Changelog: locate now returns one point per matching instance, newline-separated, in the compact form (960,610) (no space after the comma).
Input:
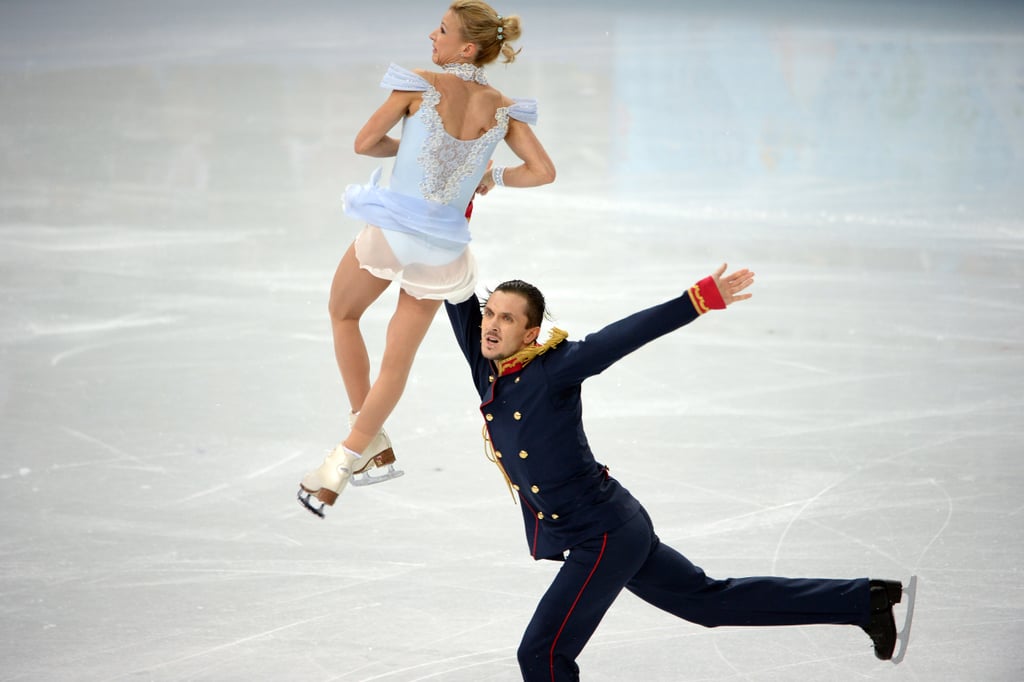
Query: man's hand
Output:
(732,284)
(486,182)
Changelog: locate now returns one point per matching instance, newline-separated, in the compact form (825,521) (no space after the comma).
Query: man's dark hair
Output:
(535,307)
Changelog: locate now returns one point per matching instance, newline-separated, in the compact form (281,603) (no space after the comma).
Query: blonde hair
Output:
(480,24)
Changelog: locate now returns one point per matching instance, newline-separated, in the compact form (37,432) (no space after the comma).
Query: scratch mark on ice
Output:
(228,645)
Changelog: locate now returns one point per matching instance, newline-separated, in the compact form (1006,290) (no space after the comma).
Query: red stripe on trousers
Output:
(551,659)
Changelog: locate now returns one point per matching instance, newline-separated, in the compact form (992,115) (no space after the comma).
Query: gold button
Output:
(489,417)
(497,453)
(491,378)
(517,380)
(554,516)
(534,489)
(515,487)
(540,515)
(517,416)
(523,454)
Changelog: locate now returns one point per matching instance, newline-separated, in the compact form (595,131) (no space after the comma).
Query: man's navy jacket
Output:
(533,413)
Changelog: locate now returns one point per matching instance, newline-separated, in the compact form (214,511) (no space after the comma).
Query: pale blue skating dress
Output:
(417,232)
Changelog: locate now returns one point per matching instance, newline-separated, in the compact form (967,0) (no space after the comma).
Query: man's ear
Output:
(531,335)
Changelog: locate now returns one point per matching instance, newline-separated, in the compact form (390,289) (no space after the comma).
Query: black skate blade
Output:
(319,511)
(910,592)
(366,478)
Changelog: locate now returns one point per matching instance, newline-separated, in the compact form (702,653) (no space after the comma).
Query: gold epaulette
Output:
(516,362)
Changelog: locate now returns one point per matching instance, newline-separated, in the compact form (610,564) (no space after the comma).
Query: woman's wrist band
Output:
(498,175)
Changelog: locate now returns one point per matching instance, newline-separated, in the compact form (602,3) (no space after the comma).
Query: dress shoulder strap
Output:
(524,110)
(400,78)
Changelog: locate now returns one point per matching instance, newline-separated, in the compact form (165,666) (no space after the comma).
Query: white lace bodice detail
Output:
(434,166)
(447,161)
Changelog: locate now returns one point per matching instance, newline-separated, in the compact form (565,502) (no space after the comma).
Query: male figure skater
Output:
(576,512)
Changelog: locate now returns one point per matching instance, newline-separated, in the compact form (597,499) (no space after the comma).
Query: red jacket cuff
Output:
(706,296)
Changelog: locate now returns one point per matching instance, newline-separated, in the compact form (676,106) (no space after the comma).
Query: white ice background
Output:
(170,175)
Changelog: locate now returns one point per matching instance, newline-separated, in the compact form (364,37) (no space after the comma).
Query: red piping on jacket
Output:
(536,526)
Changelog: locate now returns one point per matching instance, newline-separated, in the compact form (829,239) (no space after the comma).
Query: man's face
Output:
(505,330)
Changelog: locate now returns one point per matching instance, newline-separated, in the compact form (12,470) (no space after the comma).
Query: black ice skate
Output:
(882,627)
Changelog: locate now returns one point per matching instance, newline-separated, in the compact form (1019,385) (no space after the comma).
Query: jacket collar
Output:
(516,362)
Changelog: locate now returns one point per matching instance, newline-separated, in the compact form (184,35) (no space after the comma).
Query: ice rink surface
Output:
(170,175)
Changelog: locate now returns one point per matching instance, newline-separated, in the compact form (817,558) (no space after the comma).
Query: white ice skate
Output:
(383,456)
(327,481)
(342,466)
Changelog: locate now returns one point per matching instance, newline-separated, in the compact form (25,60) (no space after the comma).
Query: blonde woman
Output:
(417,229)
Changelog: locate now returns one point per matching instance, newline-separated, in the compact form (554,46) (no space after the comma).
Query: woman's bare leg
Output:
(406,331)
(352,291)
(351,294)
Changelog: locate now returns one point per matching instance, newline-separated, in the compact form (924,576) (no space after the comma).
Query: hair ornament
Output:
(501,29)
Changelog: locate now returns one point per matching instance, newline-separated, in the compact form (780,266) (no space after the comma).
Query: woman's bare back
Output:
(467,109)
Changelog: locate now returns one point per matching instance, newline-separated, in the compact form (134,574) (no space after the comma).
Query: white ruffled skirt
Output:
(399,257)
(421,244)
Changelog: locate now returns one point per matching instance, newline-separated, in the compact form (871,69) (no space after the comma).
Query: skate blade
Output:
(366,478)
(904,637)
(304,498)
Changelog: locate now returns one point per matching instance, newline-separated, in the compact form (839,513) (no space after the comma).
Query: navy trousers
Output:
(632,557)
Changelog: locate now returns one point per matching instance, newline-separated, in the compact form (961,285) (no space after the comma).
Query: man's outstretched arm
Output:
(599,350)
